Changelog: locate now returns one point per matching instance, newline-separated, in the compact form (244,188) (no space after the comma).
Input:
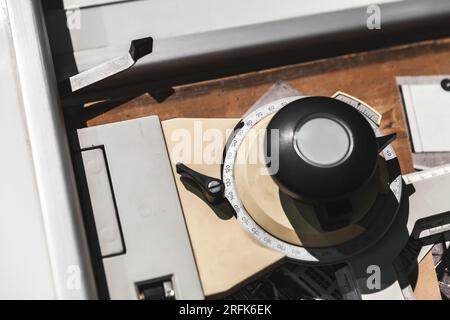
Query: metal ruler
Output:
(427,174)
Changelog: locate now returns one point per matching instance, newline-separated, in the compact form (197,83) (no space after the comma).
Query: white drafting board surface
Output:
(427,108)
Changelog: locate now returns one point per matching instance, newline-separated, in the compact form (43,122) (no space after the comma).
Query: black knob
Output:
(327,149)
(327,155)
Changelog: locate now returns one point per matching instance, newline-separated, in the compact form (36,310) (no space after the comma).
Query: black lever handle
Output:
(212,188)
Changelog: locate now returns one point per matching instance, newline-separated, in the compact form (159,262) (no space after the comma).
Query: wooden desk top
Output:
(369,76)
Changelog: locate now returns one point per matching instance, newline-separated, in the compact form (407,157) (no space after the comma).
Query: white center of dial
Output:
(323,142)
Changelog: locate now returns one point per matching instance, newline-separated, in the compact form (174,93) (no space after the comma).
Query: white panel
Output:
(154,232)
(428,111)
(43,249)
(25,270)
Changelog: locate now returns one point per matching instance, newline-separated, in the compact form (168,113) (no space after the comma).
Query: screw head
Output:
(214,186)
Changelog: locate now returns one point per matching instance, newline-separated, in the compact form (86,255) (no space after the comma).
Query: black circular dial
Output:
(326,150)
